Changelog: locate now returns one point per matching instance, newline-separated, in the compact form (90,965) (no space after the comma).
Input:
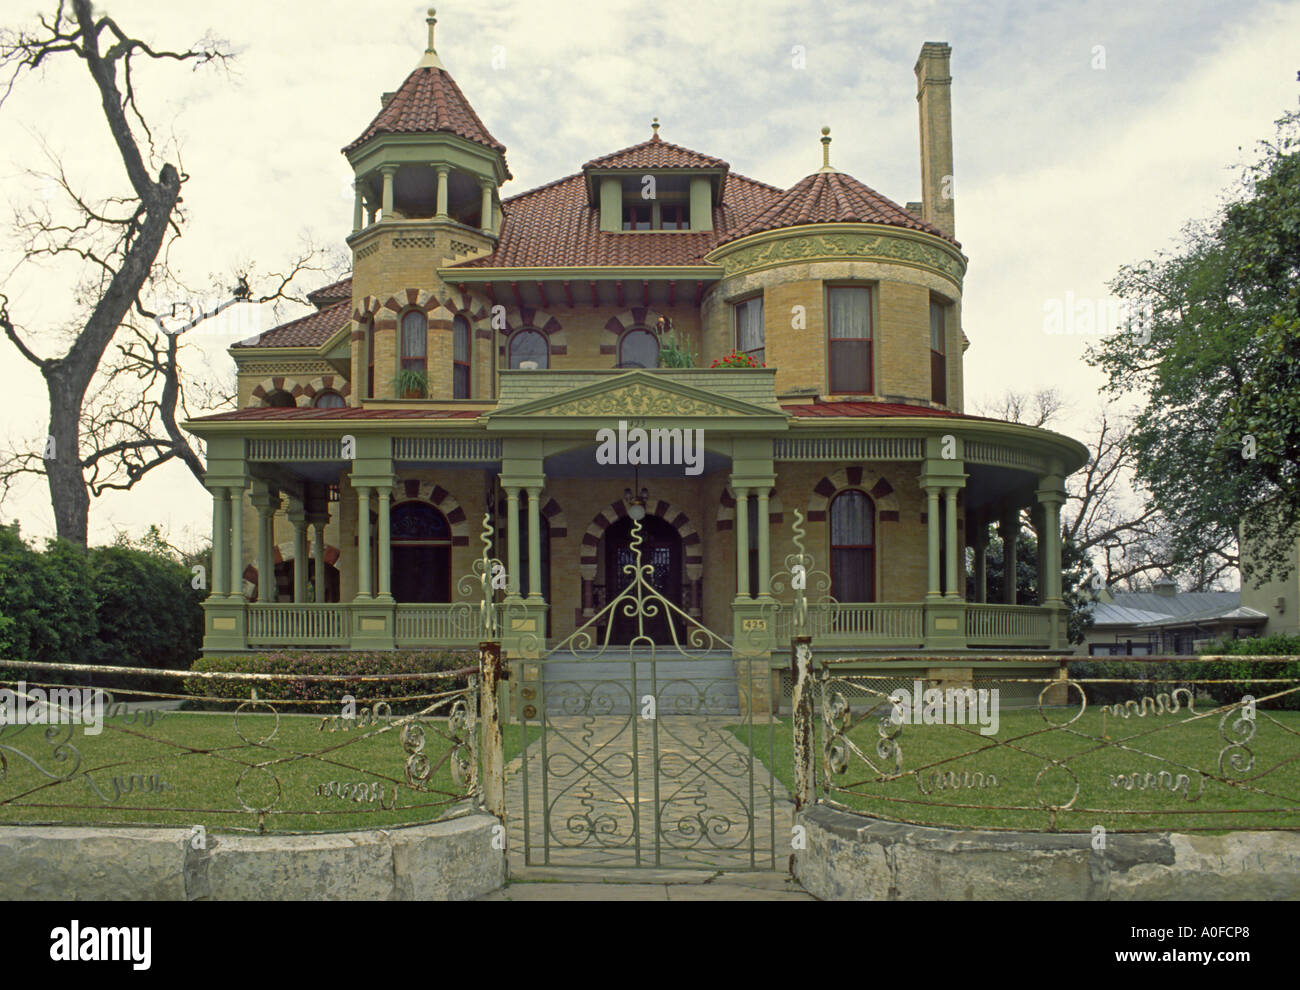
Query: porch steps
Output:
(699,685)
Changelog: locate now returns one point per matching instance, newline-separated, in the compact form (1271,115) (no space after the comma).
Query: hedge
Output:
(1142,675)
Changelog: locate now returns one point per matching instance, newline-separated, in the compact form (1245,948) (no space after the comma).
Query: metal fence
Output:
(1179,743)
(253,752)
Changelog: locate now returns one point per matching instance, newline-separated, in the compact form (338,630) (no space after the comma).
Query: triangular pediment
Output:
(638,394)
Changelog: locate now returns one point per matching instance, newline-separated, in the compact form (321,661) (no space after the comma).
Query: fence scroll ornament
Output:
(645,606)
(485,579)
(1174,759)
(812,608)
(240,764)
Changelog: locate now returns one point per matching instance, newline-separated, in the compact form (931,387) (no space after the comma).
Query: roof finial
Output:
(826,150)
(655,127)
(431,59)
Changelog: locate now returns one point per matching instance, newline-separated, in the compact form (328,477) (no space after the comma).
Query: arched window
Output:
(369,329)
(853,547)
(421,553)
(460,341)
(638,349)
(414,341)
(280,400)
(329,399)
(530,345)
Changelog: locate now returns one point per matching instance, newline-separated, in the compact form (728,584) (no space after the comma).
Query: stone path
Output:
(716,887)
(597,793)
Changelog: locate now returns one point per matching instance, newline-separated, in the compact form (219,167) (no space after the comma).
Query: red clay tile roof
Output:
(865,409)
(656,153)
(348,412)
(555,226)
(332,293)
(832,197)
(429,100)
(308,331)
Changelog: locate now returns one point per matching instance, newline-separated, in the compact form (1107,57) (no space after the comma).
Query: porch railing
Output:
(901,623)
(1007,625)
(437,624)
(274,624)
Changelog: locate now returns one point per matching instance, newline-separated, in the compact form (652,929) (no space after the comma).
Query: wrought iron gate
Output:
(649,754)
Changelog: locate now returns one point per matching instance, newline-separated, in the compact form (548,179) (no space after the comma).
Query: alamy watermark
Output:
(946,706)
(633,444)
(57,706)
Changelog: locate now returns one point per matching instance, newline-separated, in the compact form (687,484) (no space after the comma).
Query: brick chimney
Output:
(934,99)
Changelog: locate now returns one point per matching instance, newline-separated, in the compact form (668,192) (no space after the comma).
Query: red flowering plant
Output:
(737,359)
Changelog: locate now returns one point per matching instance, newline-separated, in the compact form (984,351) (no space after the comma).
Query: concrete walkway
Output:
(687,802)
(713,887)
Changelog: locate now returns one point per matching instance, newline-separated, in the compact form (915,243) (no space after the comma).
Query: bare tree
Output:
(130,425)
(1125,536)
(119,240)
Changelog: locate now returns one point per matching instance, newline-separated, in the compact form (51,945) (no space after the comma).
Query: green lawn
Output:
(185,769)
(1025,743)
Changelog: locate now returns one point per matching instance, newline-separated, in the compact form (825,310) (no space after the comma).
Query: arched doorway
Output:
(421,553)
(661,547)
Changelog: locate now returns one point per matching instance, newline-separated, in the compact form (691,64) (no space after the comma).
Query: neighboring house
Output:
(1167,621)
(469,363)
(1277,600)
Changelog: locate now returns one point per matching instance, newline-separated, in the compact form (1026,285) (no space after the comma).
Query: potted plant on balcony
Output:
(673,352)
(411,383)
(737,359)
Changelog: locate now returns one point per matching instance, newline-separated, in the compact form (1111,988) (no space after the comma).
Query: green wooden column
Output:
(358,205)
(267,502)
(237,543)
(298,519)
(512,541)
(534,542)
(950,543)
(742,542)
(364,587)
(442,191)
(383,493)
(764,589)
(220,542)
(1009,529)
(933,587)
(318,555)
(389,171)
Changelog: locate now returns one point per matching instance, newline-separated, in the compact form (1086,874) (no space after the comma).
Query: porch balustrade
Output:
(276,624)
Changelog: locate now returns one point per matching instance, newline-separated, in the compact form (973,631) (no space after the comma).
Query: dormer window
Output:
(637,216)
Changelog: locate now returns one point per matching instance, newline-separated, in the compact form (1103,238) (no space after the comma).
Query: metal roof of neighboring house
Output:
(1150,609)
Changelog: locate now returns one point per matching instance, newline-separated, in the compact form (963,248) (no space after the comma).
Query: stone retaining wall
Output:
(446,861)
(853,857)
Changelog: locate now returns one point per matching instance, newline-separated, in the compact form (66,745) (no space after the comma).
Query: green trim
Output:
(414,149)
(842,242)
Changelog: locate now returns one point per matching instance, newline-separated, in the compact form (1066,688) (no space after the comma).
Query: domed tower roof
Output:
(429,102)
(831,196)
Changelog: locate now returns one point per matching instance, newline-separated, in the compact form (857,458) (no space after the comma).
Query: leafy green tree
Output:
(1218,364)
(48,599)
(148,613)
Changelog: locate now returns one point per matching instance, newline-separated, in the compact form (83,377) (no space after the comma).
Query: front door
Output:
(661,550)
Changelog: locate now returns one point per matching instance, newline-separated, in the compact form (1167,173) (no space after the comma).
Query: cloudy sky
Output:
(1085,136)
